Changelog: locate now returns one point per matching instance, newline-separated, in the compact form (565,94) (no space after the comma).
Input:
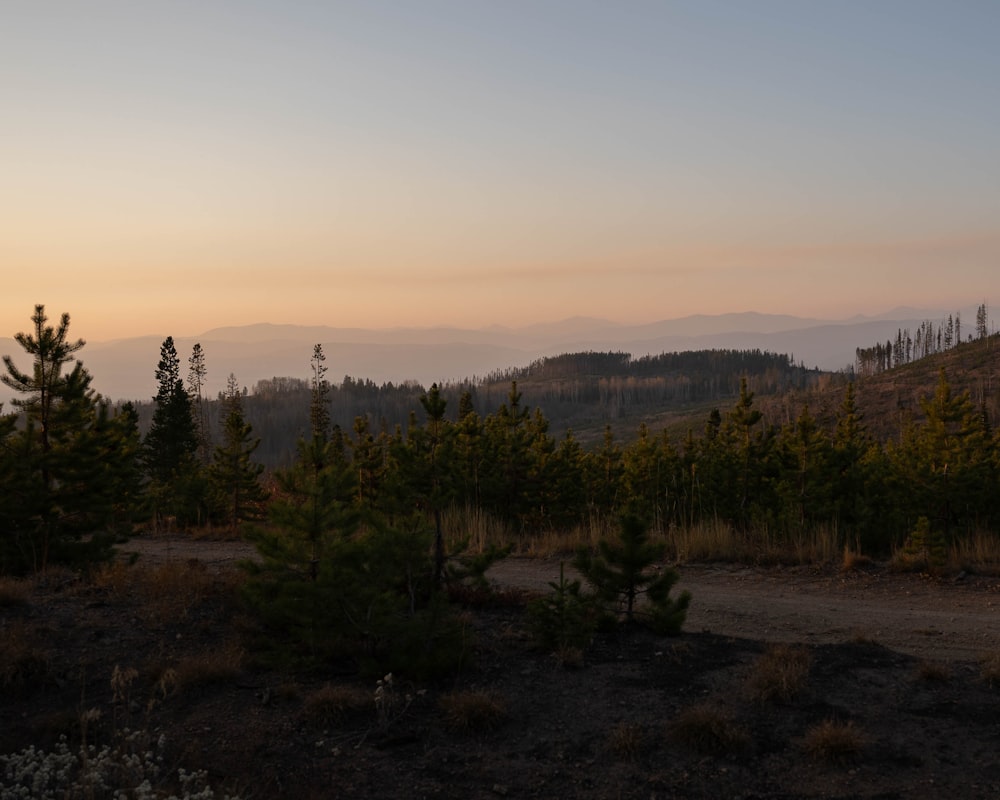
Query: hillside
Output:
(891,398)
(591,392)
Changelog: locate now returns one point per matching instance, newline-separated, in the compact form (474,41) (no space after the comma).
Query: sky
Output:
(171,167)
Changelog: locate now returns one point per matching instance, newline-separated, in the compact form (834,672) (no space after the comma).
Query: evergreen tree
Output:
(807,478)
(233,475)
(508,452)
(58,502)
(309,517)
(319,405)
(425,460)
(604,476)
(197,372)
(982,322)
(45,386)
(621,573)
(470,453)
(568,484)
(851,488)
(176,485)
(123,466)
(951,455)
(649,466)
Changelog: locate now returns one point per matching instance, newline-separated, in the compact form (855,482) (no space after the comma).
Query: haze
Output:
(173,167)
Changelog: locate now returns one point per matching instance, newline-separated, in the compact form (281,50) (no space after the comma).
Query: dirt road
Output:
(945,619)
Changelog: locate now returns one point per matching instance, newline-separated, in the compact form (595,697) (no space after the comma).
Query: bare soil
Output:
(894,658)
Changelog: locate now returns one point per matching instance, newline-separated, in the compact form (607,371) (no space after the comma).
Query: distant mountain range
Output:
(123,369)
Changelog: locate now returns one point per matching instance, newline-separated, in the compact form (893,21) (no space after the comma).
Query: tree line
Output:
(78,474)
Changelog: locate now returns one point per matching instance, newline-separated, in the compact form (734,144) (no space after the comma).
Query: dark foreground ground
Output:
(703,715)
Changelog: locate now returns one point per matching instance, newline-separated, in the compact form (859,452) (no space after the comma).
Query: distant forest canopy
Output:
(927,340)
(573,391)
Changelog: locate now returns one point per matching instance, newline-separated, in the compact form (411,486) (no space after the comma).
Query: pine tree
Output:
(319,411)
(59,499)
(197,372)
(982,322)
(45,386)
(234,477)
(806,484)
(176,485)
(431,450)
(621,573)
(752,452)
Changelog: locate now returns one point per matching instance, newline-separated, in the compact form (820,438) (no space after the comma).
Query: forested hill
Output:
(586,391)
(892,398)
(580,391)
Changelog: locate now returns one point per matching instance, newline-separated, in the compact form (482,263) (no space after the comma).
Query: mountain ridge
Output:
(123,369)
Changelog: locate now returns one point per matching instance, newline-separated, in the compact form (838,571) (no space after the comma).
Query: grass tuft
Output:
(626,740)
(331,704)
(932,672)
(707,729)
(473,710)
(24,663)
(779,674)
(212,666)
(833,741)
(13,592)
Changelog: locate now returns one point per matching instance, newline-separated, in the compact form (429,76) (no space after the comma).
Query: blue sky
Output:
(171,167)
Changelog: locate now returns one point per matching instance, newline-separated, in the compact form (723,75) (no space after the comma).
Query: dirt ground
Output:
(953,617)
(895,662)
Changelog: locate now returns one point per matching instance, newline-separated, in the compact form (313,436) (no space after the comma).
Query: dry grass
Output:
(552,543)
(708,730)
(932,672)
(989,669)
(854,560)
(978,552)
(626,740)
(832,741)
(474,527)
(115,578)
(331,704)
(779,674)
(13,592)
(473,710)
(164,593)
(717,541)
(569,657)
(709,541)
(24,663)
(217,665)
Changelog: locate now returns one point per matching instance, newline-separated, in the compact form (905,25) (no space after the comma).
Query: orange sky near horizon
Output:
(171,168)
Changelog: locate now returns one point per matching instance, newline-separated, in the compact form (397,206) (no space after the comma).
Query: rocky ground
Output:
(785,684)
